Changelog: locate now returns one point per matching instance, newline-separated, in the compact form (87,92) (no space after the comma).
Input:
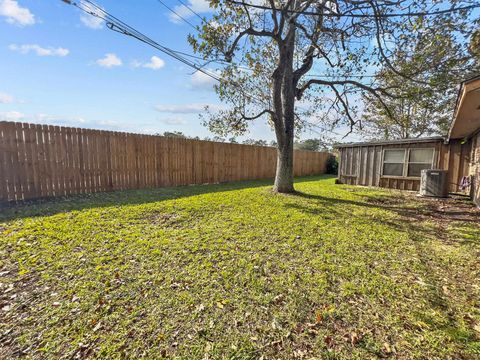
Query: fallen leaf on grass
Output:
(97,327)
(353,338)
(278,299)
(275,342)
(329,341)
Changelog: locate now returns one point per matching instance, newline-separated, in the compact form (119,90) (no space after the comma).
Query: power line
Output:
(332,14)
(203,21)
(177,14)
(191,10)
(119,26)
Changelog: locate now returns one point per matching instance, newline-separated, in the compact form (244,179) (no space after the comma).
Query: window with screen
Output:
(393,162)
(418,160)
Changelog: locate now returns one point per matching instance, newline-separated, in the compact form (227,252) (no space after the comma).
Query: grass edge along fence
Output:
(42,161)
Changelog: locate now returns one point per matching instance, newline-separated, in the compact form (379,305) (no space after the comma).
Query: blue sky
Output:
(60,67)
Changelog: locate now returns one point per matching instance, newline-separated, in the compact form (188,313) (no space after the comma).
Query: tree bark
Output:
(285,111)
(284,173)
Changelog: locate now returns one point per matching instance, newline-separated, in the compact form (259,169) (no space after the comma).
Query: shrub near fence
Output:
(39,161)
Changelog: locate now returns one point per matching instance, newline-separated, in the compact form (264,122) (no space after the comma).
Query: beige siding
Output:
(475,168)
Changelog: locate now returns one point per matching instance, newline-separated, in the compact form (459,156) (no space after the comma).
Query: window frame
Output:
(403,162)
(406,162)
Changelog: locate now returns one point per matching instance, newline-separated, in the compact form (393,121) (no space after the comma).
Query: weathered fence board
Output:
(38,161)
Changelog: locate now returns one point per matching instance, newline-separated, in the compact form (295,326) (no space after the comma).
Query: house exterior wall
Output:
(362,164)
(475,168)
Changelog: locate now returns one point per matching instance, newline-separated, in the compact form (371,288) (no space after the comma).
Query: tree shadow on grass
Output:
(411,219)
(52,206)
(422,220)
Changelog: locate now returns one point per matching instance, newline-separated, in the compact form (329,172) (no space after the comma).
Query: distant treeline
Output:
(308,144)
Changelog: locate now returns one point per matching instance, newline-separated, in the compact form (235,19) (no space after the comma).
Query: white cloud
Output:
(72,121)
(16,14)
(11,116)
(181,109)
(40,51)
(193,108)
(110,60)
(76,121)
(42,118)
(174,121)
(202,81)
(6,98)
(198,6)
(155,63)
(91,21)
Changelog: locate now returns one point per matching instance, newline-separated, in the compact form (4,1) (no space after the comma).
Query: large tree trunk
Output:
(284,174)
(285,110)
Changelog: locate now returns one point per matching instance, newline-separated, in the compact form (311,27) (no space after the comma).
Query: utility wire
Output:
(177,14)
(119,26)
(191,10)
(191,25)
(332,14)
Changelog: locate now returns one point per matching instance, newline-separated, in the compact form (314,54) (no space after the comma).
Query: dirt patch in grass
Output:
(455,208)
(161,219)
(439,212)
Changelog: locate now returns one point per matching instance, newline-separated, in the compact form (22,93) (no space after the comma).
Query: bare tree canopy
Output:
(308,63)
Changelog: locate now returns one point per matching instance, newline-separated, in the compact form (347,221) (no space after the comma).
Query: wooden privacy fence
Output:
(38,161)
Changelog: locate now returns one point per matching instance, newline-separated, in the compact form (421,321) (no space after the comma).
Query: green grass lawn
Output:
(233,271)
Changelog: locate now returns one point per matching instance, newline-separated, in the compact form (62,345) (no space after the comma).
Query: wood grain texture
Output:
(362,165)
(39,161)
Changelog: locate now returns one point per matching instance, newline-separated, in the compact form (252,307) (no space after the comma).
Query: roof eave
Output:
(391,142)
(460,97)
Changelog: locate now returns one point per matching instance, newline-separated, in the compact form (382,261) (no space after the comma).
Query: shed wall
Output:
(362,165)
(475,168)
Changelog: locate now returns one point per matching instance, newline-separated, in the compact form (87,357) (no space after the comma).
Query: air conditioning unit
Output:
(434,183)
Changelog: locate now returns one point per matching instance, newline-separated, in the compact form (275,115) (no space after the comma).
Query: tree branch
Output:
(249,31)
(382,52)
(266,111)
(374,91)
